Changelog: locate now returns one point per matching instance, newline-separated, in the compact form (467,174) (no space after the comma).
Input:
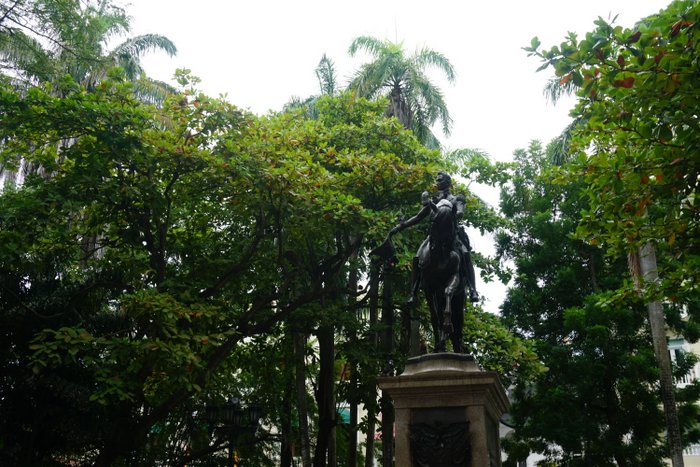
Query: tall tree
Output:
(41,40)
(211,231)
(597,403)
(635,145)
(327,84)
(413,98)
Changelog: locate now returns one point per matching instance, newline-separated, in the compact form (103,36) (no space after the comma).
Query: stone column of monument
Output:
(447,412)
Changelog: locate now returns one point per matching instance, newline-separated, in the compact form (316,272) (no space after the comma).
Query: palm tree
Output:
(413,98)
(42,40)
(327,83)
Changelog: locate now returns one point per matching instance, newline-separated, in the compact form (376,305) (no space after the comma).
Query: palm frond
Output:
(306,107)
(429,97)
(153,91)
(325,72)
(140,45)
(420,124)
(558,149)
(428,57)
(557,88)
(127,55)
(129,63)
(430,141)
(369,80)
(106,21)
(22,52)
(369,44)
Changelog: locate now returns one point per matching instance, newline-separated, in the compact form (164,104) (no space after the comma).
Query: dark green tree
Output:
(211,230)
(634,145)
(597,403)
(41,40)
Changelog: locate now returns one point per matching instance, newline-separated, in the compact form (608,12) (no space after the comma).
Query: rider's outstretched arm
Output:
(422,214)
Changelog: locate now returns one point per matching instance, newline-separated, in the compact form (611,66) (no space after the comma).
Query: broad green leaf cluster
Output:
(625,179)
(636,138)
(156,240)
(596,400)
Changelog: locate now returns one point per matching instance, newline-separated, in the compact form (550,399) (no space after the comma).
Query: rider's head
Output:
(443,181)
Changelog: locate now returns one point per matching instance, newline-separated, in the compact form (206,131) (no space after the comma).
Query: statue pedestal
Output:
(447,412)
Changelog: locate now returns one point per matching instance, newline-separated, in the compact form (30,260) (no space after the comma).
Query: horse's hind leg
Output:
(458,323)
(447,315)
(450,290)
(439,337)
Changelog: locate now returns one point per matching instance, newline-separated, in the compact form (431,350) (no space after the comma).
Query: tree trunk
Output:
(286,448)
(649,274)
(373,315)
(302,406)
(325,399)
(387,350)
(352,425)
(352,428)
(399,108)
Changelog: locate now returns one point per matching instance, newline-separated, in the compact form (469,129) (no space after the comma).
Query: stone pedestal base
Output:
(447,412)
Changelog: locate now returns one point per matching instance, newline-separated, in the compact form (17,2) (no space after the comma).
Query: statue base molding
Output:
(447,412)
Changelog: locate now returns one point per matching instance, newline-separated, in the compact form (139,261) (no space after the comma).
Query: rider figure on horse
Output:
(462,246)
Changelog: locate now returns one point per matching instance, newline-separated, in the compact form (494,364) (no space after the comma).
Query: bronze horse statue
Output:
(443,280)
(442,267)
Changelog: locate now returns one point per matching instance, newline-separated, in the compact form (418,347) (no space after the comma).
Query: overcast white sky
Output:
(262,52)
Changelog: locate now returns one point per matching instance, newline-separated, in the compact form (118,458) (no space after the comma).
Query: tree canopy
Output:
(632,144)
(637,135)
(41,40)
(166,237)
(597,402)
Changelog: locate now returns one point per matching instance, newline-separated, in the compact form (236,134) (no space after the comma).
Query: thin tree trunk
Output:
(371,429)
(286,453)
(302,406)
(387,350)
(373,315)
(649,274)
(325,399)
(352,425)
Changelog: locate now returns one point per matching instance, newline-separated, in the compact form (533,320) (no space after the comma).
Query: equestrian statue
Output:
(442,267)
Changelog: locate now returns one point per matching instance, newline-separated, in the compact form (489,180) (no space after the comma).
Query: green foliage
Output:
(498,349)
(633,144)
(413,99)
(43,40)
(157,240)
(597,401)
(636,140)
